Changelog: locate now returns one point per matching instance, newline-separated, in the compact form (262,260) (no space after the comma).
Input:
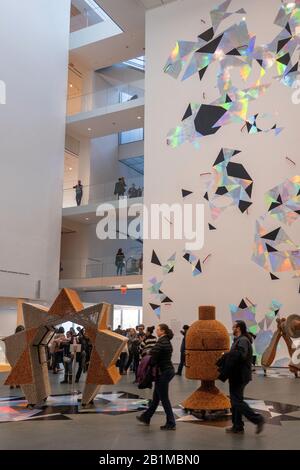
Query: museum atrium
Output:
(150,226)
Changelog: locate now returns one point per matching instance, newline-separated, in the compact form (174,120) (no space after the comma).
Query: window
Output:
(137,63)
(127,317)
(68,324)
(134,135)
(117,318)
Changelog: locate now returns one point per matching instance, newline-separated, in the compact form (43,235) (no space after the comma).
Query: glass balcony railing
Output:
(83,20)
(98,193)
(85,13)
(103,267)
(103,98)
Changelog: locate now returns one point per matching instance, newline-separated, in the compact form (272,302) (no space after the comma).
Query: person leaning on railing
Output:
(78,192)
(120,261)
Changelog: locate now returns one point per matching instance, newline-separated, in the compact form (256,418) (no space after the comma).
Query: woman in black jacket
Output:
(161,355)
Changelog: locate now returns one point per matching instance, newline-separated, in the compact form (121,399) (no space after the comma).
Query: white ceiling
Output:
(86,214)
(121,118)
(154,3)
(129,15)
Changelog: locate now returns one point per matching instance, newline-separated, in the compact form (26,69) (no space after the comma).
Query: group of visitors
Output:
(234,366)
(120,262)
(120,189)
(67,348)
(140,342)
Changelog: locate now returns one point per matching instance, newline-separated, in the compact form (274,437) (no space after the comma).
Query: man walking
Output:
(239,363)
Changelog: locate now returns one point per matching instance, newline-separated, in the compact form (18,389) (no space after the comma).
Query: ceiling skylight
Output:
(137,63)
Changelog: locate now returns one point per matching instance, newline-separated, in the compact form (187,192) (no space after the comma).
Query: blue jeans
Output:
(161,393)
(120,269)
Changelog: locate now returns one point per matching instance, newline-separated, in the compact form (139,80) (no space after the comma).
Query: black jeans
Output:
(181,364)
(78,198)
(123,359)
(239,407)
(135,358)
(57,359)
(161,393)
(81,359)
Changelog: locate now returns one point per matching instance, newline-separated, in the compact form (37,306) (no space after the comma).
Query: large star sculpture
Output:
(26,350)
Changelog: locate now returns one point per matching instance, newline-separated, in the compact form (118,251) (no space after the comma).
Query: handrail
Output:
(83,268)
(121,86)
(97,193)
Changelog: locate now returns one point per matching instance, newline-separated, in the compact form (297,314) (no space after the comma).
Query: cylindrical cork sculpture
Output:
(206,340)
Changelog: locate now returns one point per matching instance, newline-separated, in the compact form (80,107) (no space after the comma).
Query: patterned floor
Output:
(278,373)
(60,407)
(274,413)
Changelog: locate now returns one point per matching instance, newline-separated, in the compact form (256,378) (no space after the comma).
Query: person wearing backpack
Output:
(161,355)
(238,369)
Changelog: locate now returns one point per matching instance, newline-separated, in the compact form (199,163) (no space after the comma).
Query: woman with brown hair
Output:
(161,355)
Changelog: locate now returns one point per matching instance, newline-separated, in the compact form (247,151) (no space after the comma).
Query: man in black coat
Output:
(182,350)
(239,371)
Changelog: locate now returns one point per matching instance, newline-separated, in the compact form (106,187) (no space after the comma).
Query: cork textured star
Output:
(26,350)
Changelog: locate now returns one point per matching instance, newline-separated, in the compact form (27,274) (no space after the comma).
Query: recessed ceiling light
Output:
(86,218)
(70,168)
(89,129)
(139,117)
(71,86)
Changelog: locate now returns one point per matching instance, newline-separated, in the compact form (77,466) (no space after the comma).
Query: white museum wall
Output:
(133,149)
(229,274)
(121,74)
(84,248)
(105,166)
(34,61)
(110,81)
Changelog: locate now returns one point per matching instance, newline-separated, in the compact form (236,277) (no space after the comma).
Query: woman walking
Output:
(161,355)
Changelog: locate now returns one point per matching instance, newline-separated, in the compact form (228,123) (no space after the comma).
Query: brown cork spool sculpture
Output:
(206,340)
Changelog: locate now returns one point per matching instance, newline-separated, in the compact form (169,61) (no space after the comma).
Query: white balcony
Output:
(106,111)
(97,274)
